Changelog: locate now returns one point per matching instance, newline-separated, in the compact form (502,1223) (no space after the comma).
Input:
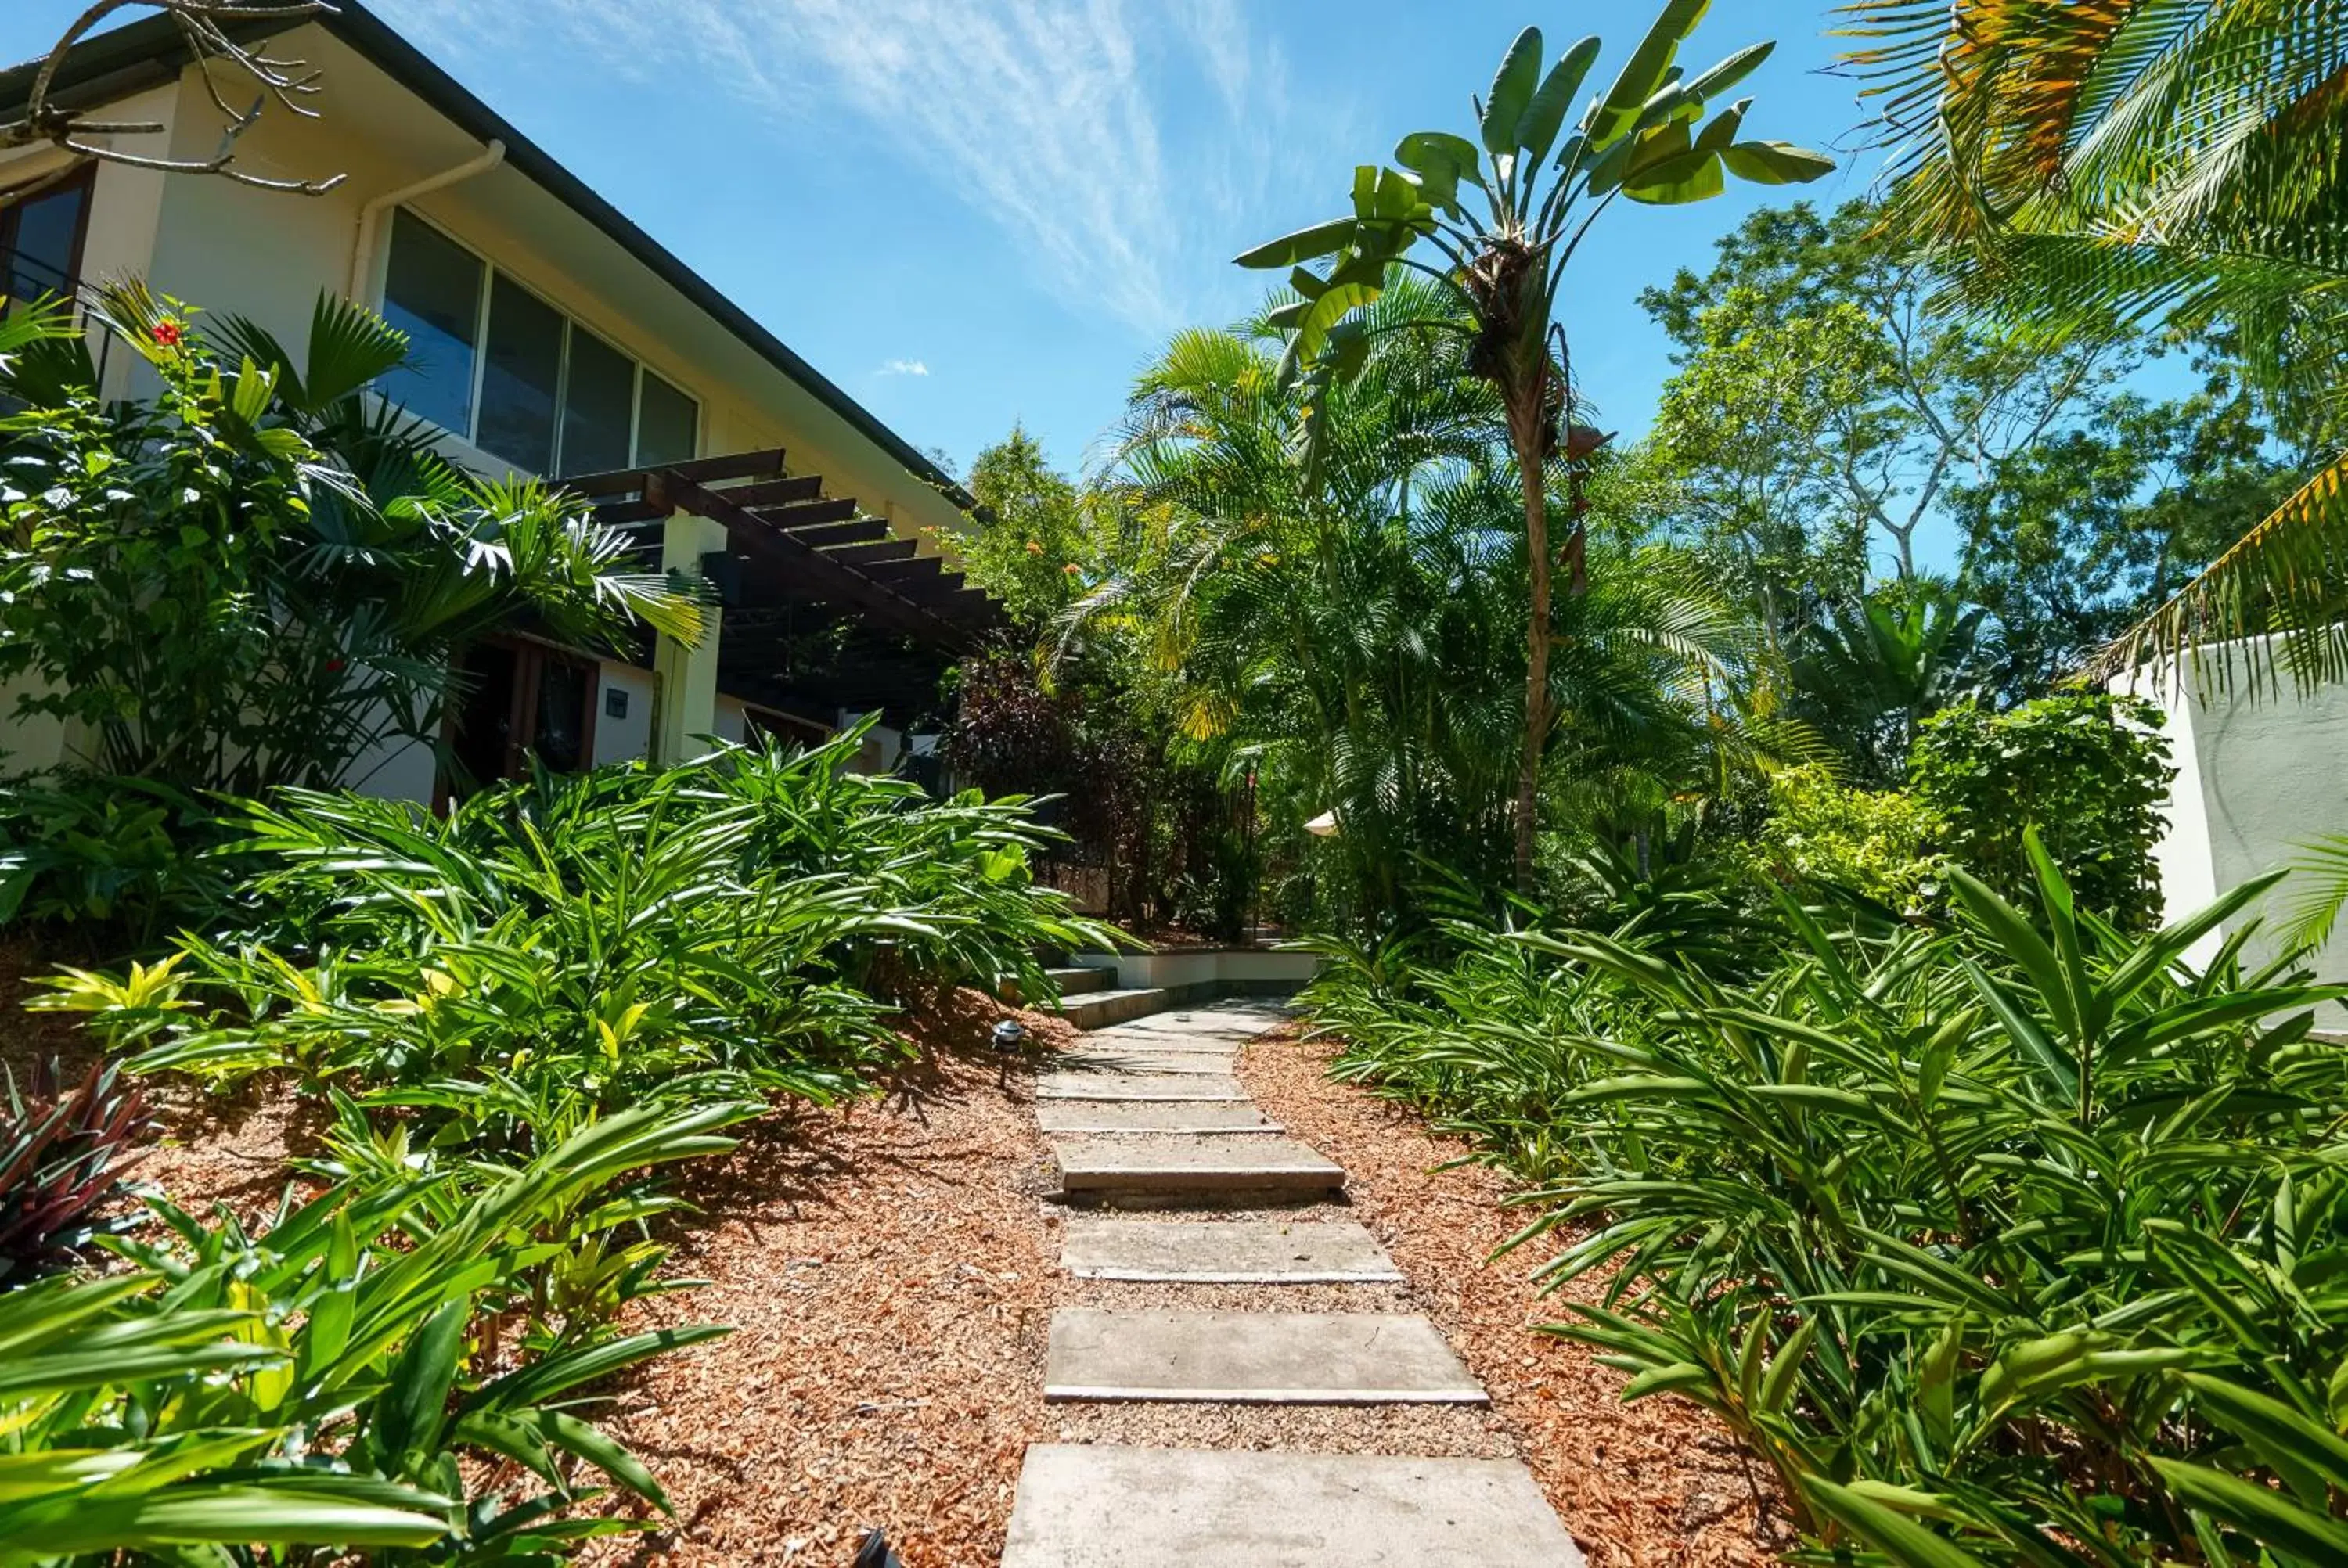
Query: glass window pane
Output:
(598,397)
(432,292)
(559,736)
(522,365)
(49,226)
(669,428)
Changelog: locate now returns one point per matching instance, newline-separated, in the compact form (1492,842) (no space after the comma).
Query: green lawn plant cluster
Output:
(2015,1241)
(564,948)
(515,1012)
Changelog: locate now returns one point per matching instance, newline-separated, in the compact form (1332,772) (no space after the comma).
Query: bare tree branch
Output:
(205,24)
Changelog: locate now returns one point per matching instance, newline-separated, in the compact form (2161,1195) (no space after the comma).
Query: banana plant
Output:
(1504,213)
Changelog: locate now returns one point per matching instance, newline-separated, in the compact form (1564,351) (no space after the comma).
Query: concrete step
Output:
(1255,1359)
(1221,1021)
(1224,1252)
(1175,1165)
(1100,1507)
(1112,1086)
(1118,1058)
(1081,980)
(1101,1009)
(1206,1116)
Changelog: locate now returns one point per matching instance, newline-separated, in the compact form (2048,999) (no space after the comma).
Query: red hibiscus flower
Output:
(167,334)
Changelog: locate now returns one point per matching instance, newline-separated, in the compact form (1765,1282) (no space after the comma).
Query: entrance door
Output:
(520,700)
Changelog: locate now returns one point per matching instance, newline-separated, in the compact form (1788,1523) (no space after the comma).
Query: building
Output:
(552,337)
(2258,778)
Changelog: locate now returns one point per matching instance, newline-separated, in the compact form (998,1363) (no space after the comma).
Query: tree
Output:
(1505,258)
(1874,667)
(1353,635)
(1749,459)
(2071,541)
(2170,161)
(213,30)
(1823,388)
(1036,544)
(252,578)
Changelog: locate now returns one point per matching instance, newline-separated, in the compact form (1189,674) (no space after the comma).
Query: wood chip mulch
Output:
(890,1270)
(1640,1486)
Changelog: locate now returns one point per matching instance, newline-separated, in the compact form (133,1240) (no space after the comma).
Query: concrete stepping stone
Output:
(1255,1359)
(1210,1116)
(1105,1507)
(1137,1086)
(1119,1058)
(1225,1252)
(1168,1165)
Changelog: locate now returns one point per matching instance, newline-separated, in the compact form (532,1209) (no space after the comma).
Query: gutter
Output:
(362,248)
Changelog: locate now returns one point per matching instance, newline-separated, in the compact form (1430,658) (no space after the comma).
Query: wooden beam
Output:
(627,513)
(903,574)
(868,555)
(823,576)
(764,464)
(806,515)
(863,530)
(777,492)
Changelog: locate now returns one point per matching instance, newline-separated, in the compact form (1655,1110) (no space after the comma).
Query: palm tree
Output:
(1355,632)
(1505,257)
(1870,672)
(2140,162)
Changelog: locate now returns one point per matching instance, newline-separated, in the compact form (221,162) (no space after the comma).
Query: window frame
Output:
(85,179)
(492,271)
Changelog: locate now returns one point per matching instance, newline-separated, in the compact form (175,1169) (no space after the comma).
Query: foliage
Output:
(251,578)
(1822,394)
(62,1154)
(2018,1243)
(1037,544)
(2088,770)
(1871,670)
(1504,233)
(345,1378)
(565,948)
(2071,540)
(118,862)
(1351,639)
(2155,161)
(1881,844)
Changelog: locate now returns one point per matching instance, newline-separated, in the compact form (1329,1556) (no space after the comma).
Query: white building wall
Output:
(2261,772)
(626,736)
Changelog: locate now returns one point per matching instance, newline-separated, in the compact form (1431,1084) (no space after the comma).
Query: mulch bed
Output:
(1651,1483)
(890,1270)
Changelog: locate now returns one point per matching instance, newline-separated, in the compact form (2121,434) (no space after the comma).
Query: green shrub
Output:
(560,949)
(348,1379)
(114,865)
(2088,770)
(1878,843)
(2015,1244)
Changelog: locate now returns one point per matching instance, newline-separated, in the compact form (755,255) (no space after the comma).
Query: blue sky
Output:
(969,212)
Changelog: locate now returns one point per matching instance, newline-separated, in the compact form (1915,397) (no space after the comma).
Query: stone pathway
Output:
(1150,1115)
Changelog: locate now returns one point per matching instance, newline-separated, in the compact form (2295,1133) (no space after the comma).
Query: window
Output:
(41,238)
(520,700)
(498,366)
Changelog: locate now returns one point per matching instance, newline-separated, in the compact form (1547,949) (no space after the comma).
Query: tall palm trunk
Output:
(1525,432)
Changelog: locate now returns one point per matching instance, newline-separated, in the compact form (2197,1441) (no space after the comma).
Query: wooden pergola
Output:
(820,607)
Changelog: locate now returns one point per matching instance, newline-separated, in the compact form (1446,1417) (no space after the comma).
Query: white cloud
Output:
(904,367)
(1057,119)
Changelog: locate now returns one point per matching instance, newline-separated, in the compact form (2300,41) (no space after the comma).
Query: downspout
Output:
(363,249)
